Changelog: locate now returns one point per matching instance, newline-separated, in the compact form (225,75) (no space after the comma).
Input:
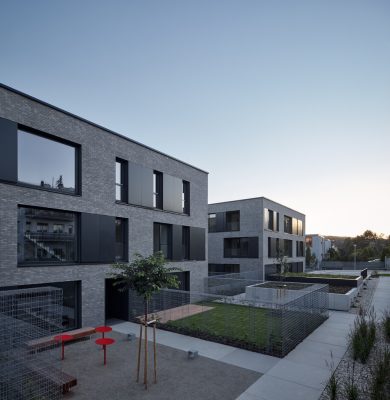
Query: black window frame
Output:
(186,197)
(51,263)
(77,162)
(158,188)
(246,247)
(123,184)
(185,241)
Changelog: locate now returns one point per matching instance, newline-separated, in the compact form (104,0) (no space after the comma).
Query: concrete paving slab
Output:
(302,374)
(272,388)
(254,361)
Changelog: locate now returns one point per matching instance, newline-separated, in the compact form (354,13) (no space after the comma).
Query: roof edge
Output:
(11,89)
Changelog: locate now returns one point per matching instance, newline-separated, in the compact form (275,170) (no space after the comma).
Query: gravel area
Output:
(178,377)
(348,369)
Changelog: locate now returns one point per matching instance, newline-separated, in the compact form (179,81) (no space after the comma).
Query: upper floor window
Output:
(46,236)
(244,247)
(271,220)
(185,242)
(288,224)
(288,246)
(232,220)
(157,190)
(185,197)
(212,222)
(47,163)
(121,180)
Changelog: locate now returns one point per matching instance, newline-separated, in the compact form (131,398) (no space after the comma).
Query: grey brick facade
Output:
(99,149)
(252,225)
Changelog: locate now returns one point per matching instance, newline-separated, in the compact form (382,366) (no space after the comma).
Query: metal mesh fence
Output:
(27,315)
(268,327)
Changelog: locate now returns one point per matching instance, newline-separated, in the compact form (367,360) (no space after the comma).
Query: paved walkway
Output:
(302,374)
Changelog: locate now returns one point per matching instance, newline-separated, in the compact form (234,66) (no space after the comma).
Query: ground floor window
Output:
(220,269)
(71,310)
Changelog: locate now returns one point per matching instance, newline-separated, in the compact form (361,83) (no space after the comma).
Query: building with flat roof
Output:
(250,235)
(76,197)
(319,247)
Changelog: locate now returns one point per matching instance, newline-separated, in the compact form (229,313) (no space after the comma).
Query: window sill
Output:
(150,208)
(26,185)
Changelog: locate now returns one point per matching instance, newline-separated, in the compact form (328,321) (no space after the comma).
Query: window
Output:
(232,221)
(212,222)
(163,239)
(185,242)
(221,269)
(295,226)
(157,190)
(71,301)
(300,227)
(288,224)
(288,247)
(120,239)
(185,197)
(241,247)
(299,249)
(271,220)
(121,180)
(273,247)
(46,163)
(42,241)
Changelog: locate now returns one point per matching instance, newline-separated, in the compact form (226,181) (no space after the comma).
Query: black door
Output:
(117,303)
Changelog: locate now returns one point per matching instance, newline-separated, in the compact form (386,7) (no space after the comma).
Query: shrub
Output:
(333,386)
(351,391)
(380,375)
(362,337)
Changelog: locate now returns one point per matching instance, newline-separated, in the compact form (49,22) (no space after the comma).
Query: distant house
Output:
(319,246)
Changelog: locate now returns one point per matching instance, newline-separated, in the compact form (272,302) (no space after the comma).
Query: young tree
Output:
(145,275)
(282,266)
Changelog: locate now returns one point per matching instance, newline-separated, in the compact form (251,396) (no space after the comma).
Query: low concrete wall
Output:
(353,282)
(342,302)
(350,265)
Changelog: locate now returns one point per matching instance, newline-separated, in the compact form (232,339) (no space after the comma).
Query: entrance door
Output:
(117,303)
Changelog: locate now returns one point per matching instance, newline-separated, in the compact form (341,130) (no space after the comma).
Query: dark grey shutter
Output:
(140,185)
(177,231)
(172,193)
(8,150)
(197,244)
(221,222)
(253,245)
(97,238)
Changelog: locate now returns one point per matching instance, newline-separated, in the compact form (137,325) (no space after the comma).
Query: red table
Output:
(103,329)
(62,339)
(104,342)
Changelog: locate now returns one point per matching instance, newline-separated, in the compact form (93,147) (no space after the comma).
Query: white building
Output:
(319,246)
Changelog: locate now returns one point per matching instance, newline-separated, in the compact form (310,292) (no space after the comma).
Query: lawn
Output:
(248,327)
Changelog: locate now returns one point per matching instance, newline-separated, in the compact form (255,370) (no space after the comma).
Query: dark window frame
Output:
(77,161)
(125,251)
(157,240)
(123,184)
(229,224)
(186,197)
(158,189)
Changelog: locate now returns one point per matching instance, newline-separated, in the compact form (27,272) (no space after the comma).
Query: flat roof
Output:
(256,198)
(11,89)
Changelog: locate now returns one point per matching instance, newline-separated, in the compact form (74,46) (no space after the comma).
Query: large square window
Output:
(46,163)
(46,236)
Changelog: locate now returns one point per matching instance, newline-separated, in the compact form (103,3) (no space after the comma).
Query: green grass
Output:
(232,322)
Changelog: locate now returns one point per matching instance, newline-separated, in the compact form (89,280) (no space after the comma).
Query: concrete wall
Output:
(99,149)
(350,265)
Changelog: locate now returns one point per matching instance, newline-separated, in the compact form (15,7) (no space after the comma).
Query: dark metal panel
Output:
(177,231)
(253,245)
(221,222)
(106,244)
(140,185)
(8,150)
(172,192)
(89,237)
(197,244)
(156,237)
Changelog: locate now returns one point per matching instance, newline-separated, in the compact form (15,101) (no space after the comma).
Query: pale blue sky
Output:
(284,99)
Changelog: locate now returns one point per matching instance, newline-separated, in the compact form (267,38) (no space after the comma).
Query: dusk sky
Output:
(284,99)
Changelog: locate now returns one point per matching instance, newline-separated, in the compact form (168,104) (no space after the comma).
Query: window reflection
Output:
(46,163)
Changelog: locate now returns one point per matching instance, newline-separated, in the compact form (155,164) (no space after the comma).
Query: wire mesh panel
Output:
(267,326)
(25,316)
